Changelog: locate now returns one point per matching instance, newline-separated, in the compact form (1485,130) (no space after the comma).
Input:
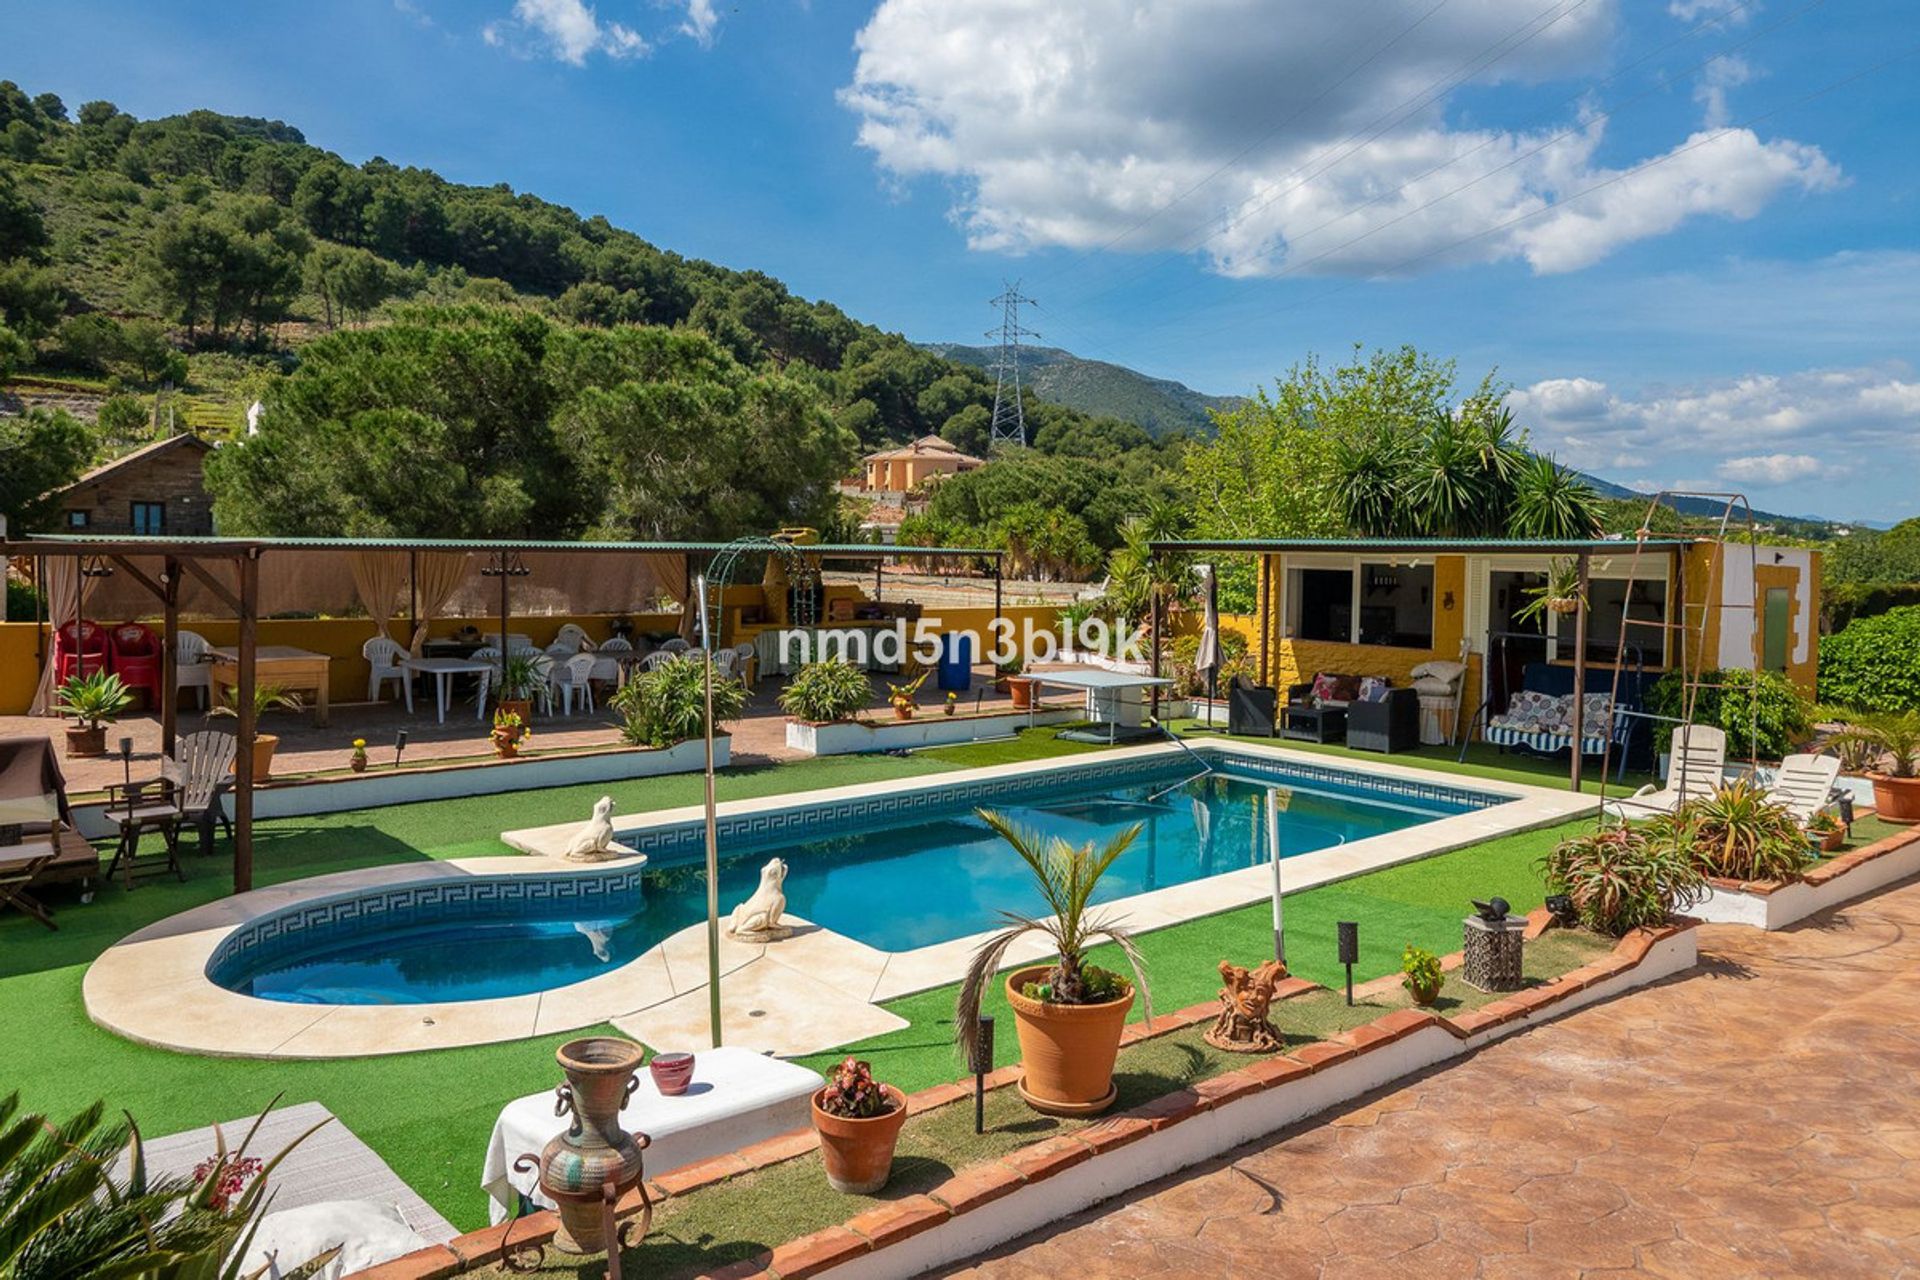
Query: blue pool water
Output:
(929,877)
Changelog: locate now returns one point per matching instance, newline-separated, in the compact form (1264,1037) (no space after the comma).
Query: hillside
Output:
(1161,405)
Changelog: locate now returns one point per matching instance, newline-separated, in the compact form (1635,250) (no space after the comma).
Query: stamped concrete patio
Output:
(1757,1118)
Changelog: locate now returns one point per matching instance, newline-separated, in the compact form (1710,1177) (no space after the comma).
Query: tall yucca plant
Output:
(1551,502)
(1372,477)
(1066,876)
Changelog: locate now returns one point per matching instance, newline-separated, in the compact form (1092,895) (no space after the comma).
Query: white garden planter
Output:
(852,737)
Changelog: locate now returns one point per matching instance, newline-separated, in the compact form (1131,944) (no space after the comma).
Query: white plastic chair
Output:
(384,656)
(723,662)
(192,670)
(607,658)
(657,659)
(675,645)
(746,661)
(573,675)
(574,637)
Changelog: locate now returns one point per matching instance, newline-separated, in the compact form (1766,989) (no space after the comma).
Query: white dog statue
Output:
(590,843)
(758,918)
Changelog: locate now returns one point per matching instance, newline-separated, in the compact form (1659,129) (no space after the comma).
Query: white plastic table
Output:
(443,670)
(737,1098)
(1117,699)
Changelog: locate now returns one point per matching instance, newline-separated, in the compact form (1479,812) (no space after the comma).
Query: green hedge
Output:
(1874,665)
(1738,701)
(1848,602)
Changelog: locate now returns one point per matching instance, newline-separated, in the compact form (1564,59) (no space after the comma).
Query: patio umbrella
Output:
(1207,657)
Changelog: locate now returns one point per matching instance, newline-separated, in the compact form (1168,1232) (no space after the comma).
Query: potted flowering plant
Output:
(1827,831)
(953,702)
(509,732)
(1420,974)
(358,760)
(859,1121)
(901,696)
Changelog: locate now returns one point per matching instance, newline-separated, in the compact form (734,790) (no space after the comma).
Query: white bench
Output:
(736,1098)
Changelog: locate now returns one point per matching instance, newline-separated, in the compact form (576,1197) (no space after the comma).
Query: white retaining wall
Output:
(851,737)
(1794,902)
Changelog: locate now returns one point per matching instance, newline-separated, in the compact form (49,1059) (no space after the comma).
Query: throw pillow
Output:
(1374,688)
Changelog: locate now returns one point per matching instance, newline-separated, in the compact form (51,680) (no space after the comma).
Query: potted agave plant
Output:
(858,1120)
(1420,974)
(1068,1013)
(95,700)
(519,677)
(1895,742)
(266,697)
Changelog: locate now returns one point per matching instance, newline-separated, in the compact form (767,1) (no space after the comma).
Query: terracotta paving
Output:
(1757,1118)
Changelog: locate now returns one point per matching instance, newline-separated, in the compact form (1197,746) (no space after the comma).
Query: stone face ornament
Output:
(1243,1025)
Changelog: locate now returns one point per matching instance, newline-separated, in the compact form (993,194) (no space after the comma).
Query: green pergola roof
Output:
(1411,546)
(125,544)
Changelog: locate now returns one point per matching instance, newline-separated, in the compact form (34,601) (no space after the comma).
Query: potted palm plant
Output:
(519,677)
(95,700)
(1894,740)
(858,1120)
(1068,1013)
(266,697)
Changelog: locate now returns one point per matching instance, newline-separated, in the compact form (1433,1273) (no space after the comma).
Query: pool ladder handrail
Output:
(1205,767)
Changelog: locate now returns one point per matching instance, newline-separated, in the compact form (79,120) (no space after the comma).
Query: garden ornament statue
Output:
(758,918)
(1493,910)
(1242,1025)
(593,841)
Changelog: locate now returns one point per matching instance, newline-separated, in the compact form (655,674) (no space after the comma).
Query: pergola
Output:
(195,559)
(1580,550)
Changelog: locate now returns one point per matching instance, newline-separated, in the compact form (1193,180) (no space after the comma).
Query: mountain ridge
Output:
(1160,406)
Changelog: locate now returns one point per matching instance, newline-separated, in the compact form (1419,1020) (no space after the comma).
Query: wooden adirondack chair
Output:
(16,879)
(187,790)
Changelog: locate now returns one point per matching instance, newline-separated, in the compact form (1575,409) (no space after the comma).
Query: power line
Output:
(1009,411)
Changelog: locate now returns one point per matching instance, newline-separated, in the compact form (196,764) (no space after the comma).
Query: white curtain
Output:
(377,576)
(438,574)
(62,587)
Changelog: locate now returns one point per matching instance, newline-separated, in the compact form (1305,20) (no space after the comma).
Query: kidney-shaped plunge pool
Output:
(893,874)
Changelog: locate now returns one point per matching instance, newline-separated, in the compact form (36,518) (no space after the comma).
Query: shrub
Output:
(1846,603)
(1420,970)
(24,602)
(1739,833)
(1874,665)
(668,704)
(124,419)
(1764,714)
(1189,682)
(1619,879)
(824,691)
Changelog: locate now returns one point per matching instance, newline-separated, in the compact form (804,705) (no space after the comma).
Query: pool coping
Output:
(152,986)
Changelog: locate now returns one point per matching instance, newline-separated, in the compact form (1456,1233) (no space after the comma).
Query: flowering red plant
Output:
(853,1092)
(234,1174)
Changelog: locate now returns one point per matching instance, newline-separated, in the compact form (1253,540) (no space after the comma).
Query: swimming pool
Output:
(897,872)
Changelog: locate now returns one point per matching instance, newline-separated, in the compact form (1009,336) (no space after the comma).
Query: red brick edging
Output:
(982,1183)
(1826,871)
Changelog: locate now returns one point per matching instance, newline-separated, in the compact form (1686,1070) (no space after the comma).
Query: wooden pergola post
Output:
(1585,563)
(1153,642)
(170,657)
(248,566)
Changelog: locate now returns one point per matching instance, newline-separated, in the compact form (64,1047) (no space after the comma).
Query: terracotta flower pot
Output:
(903,710)
(83,741)
(1423,995)
(672,1073)
(1066,1050)
(1022,691)
(263,745)
(1830,841)
(522,707)
(506,748)
(1896,799)
(858,1154)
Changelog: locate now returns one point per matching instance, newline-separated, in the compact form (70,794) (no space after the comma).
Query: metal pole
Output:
(713,838)
(1153,643)
(1265,608)
(999,573)
(879,563)
(504,564)
(170,657)
(1273,846)
(1580,667)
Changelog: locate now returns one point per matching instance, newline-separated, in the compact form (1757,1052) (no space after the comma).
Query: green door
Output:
(1776,621)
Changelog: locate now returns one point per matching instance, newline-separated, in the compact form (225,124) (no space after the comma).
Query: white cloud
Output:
(1693,10)
(1284,135)
(702,18)
(1772,468)
(569,30)
(1728,71)
(1796,431)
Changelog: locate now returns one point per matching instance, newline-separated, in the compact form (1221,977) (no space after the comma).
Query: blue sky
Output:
(1684,230)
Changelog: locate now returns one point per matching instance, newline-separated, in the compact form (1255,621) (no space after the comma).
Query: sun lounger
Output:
(1695,768)
(1804,784)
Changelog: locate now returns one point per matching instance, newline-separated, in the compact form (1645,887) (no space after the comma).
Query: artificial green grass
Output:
(1420,902)
(428,1114)
(745,1216)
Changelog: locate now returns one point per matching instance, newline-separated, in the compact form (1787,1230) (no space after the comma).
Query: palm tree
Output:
(1066,876)
(1549,501)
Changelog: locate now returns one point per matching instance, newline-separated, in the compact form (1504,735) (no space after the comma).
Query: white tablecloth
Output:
(737,1098)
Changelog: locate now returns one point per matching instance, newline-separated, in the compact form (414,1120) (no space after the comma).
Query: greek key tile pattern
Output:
(800,823)
(612,893)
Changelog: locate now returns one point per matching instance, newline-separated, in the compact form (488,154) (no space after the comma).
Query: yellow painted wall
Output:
(19,665)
